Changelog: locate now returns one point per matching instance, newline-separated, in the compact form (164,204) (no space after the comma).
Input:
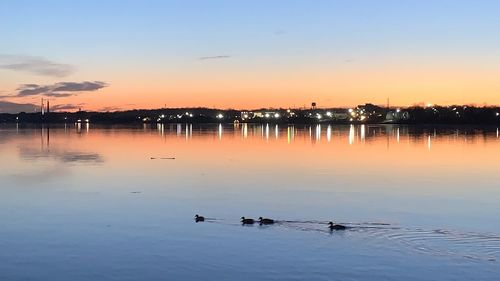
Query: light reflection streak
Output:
(219,131)
(351,134)
(318,132)
(179,130)
(245,130)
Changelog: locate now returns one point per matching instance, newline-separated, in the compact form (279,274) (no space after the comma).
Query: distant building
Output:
(267,114)
(245,115)
(396,116)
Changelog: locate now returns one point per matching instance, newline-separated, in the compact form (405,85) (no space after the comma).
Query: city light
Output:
(220,116)
(329,114)
(267,115)
(276,115)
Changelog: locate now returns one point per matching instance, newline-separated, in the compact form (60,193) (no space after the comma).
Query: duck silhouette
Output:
(199,218)
(333,226)
(247,221)
(265,220)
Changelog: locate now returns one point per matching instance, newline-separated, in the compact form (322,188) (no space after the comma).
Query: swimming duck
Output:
(247,221)
(199,218)
(332,226)
(265,221)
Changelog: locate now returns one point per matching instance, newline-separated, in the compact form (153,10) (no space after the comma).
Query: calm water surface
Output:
(89,203)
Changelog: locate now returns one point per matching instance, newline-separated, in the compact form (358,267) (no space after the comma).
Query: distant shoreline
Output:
(362,114)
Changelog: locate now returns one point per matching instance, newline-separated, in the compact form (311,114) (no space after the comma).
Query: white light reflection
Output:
(219,131)
(245,130)
(351,134)
(363,132)
(276,131)
(290,132)
(329,133)
(179,130)
(267,131)
(397,135)
(318,132)
(429,144)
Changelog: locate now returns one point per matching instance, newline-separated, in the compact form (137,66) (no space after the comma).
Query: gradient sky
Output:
(248,54)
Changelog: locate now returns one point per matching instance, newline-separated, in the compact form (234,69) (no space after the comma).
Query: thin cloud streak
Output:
(65,107)
(215,57)
(35,65)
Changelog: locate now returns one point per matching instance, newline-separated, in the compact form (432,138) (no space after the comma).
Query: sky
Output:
(112,55)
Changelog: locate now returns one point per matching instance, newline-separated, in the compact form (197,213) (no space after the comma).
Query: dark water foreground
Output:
(89,203)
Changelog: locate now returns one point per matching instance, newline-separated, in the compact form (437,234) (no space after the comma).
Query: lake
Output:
(94,202)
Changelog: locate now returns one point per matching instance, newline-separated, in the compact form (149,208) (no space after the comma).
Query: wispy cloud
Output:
(68,106)
(215,57)
(61,89)
(110,108)
(12,107)
(279,32)
(35,65)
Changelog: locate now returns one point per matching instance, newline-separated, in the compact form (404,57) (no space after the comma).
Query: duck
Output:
(199,218)
(265,221)
(247,221)
(332,226)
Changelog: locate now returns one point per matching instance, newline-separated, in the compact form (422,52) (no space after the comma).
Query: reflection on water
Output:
(351,133)
(85,201)
(30,153)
